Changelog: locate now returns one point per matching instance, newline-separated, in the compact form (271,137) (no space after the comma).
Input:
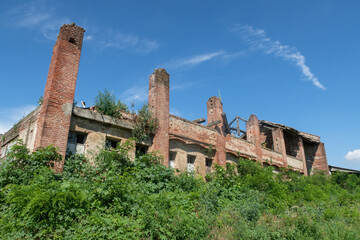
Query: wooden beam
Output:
(237,126)
(213,123)
(233,121)
(225,123)
(199,120)
(235,129)
(242,119)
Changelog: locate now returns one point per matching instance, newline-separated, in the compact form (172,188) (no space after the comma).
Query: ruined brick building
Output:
(185,145)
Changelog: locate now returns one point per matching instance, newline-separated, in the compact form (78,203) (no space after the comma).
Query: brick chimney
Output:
(214,111)
(55,115)
(253,135)
(159,106)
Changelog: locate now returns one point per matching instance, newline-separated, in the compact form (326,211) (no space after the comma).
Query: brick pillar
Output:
(159,106)
(253,135)
(302,155)
(55,114)
(320,160)
(214,111)
(279,144)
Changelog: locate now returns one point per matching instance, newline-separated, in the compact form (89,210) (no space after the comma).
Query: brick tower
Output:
(159,105)
(214,111)
(55,114)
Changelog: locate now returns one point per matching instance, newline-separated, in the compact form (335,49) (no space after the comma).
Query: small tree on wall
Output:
(106,104)
(145,124)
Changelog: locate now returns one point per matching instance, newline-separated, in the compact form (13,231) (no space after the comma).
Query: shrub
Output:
(145,124)
(123,199)
(106,104)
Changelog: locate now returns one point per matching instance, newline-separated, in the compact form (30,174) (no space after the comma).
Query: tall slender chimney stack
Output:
(55,115)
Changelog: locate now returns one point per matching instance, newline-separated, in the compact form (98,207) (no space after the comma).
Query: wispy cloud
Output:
(10,116)
(194,60)
(257,39)
(115,39)
(175,112)
(38,16)
(353,155)
(136,94)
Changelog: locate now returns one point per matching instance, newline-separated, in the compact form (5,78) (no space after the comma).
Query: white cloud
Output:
(88,38)
(353,155)
(135,95)
(10,116)
(175,112)
(205,57)
(146,46)
(257,39)
(38,16)
(111,38)
(194,60)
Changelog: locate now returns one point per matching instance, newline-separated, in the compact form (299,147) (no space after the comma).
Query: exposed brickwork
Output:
(159,105)
(320,160)
(302,155)
(279,144)
(266,138)
(253,135)
(292,145)
(214,111)
(55,115)
(268,142)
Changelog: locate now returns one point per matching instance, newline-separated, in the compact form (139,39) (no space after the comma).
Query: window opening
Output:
(172,156)
(208,165)
(191,163)
(109,144)
(141,150)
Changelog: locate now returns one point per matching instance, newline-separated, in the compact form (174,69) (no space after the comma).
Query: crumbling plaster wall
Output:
(98,128)
(295,163)
(183,150)
(183,128)
(272,157)
(25,129)
(240,147)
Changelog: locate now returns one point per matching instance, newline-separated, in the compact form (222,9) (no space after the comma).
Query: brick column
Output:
(279,143)
(214,111)
(253,135)
(55,115)
(159,106)
(302,155)
(320,160)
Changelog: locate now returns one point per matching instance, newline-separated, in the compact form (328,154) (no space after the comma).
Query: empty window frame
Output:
(172,156)
(76,143)
(76,138)
(111,143)
(208,165)
(191,163)
(141,150)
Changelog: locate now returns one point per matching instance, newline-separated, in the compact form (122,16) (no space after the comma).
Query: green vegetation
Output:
(142,199)
(145,124)
(40,100)
(106,104)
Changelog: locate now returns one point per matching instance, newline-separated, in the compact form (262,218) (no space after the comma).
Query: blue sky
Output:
(290,62)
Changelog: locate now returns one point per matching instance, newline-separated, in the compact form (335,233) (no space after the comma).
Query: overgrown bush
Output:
(146,124)
(106,104)
(141,199)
